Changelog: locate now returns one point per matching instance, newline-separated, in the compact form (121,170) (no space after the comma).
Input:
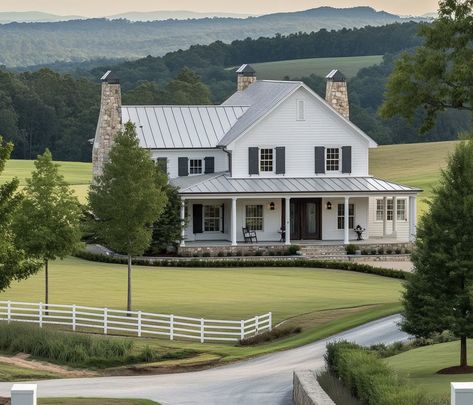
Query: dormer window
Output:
(332,160)
(266,160)
(195,166)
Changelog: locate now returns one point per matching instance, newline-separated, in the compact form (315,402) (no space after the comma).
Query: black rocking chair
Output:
(249,235)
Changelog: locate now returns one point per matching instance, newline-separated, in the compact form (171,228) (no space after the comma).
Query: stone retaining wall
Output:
(307,391)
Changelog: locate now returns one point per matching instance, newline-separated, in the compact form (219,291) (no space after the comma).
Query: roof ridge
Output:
(184,105)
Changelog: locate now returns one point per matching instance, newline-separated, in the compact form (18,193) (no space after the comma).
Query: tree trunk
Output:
(129,285)
(46,285)
(463,352)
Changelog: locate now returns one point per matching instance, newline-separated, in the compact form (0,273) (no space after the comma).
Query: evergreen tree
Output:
(47,222)
(127,199)
(13,263)
(438,296)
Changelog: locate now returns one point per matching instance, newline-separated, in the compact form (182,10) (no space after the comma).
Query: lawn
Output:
(297,68)
(420,366)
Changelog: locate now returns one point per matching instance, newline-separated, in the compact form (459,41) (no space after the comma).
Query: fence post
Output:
(9,311)
(270,321)
(257,324)
(105,326)
(74,317)
(202,332)
(171,327)
(139,323)
(40,309)
(242,331)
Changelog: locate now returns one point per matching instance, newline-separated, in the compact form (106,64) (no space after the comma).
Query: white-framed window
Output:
(195,166)
(332,160)
(400,209)
(254,217)
(341,216)
(212,218)
(300,110)
(266,160)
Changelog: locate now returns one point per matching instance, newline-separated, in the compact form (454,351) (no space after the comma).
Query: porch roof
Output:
(222,183)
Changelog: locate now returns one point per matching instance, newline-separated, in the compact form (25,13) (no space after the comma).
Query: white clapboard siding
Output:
(105,320)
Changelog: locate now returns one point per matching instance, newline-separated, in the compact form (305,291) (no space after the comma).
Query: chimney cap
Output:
(336,76)
(110,78)
(246,70)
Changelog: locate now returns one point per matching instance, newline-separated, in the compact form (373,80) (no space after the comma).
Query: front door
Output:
(306,218)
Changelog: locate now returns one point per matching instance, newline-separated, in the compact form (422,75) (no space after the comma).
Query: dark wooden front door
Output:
(306,218)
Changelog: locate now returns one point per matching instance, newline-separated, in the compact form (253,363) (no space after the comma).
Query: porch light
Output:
(329,205)
(271,206)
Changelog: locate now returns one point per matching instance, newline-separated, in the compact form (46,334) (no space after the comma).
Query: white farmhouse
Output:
(275,158)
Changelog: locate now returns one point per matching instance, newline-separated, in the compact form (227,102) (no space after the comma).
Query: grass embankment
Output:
(420,366)
(297,68)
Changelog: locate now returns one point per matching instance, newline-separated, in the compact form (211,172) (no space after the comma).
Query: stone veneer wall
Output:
(337,96)
(244,81)
(109,124)
(307,391)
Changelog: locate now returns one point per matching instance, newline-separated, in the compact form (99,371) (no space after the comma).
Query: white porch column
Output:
(385,216)
(412,218)
(183,222)
(287,227)
(394,233)
(346,222)
(234,221)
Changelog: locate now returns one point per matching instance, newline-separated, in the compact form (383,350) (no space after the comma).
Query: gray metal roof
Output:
(169,127)
(262,96)
(336,76)
(246,69)
(222,183)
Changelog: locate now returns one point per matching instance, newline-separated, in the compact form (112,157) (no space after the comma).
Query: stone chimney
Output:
(336,93)
(246,76)
(110,121)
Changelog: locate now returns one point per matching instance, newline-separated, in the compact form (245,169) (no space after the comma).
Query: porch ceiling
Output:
(222,183)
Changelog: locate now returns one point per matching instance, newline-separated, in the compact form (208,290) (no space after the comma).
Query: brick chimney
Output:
(336,93)
(110,121)
(246,76)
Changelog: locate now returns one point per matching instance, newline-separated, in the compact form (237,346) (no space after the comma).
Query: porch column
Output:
(346,214)
(234,221)
(287,227)
(412,218)
(183,222)
(394,233)
(385,216)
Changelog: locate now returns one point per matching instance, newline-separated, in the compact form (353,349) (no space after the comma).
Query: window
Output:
(266,160)
(333,160)
(254,217)
(195,166)
(400,210)
(300,110)
(341,216)
(212,218)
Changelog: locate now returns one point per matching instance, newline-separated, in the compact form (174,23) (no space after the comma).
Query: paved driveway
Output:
(263,380)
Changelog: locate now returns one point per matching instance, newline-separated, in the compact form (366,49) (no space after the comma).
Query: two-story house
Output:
(274,158)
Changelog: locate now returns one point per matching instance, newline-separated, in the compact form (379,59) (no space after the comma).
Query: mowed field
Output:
(297,68)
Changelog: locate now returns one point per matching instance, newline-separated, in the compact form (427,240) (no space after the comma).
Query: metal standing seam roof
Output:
(222,183)
(171,127)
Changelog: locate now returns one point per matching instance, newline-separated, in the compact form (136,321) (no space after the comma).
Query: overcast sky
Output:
(109,7)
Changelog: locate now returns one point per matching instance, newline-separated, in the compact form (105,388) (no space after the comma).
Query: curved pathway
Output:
(263,380)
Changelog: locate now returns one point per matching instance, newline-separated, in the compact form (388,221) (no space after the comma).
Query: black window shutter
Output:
(223,218)
(280,160)
(197,218)
(319,159)
(346,159)
(162,163)
(209,165)
(253,161)
(183,166)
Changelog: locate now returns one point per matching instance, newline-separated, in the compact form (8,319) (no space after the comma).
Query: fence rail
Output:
(137,323)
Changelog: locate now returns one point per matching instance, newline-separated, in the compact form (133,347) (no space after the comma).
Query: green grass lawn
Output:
(420,366)
(298,68)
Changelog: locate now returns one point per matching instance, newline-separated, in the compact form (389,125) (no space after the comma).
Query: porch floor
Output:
(370,241)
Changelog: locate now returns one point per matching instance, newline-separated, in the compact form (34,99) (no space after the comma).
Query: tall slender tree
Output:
(438,296)
(127,199)
(47,222)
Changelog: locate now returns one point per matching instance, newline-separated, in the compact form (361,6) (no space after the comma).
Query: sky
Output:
(94,8)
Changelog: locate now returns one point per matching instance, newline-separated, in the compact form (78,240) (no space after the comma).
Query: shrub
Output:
(364,252)
(276,333)
(373,252)
(407,251)
(220,254)
(381,250)
(258,253)
(239,253)
(351,249)
(206,254)
(293,249)
(389,251)
(398,251)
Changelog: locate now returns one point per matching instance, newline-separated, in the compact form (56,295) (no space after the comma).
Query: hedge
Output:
(369,378)
(308,263)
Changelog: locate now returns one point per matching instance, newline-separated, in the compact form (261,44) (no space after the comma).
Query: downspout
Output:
(229,153)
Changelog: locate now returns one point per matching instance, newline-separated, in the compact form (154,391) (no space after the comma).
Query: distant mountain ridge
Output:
(25,44)
(34,16)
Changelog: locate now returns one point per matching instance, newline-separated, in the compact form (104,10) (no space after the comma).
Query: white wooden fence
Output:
(134,322)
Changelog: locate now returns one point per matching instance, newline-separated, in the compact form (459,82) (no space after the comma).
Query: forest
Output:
(47,109)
